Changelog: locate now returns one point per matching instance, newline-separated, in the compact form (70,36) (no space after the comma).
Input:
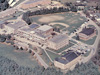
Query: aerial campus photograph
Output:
(49,37)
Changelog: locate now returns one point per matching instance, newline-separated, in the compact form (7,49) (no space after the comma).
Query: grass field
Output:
(45,57)
(73,20)
(21,58)
(61,27)
(52,55)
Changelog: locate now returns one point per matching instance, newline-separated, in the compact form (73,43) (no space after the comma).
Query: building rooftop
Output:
(97,14)
(6,12)
(68,57)
(59,38)
(87,31)
(30,28)
(17,25)
(44,28)
(2,22)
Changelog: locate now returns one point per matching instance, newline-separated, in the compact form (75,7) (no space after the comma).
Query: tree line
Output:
(3,5)
(6,38)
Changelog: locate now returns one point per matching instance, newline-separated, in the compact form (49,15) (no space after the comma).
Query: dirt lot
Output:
(50,18)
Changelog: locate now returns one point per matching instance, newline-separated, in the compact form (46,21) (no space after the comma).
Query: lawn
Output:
(45,58)
(52,55)
(21,58)
(61,27)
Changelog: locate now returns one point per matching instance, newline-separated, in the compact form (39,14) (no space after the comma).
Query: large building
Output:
(87,33)
(35,33)
(34,3)
(12,27)
(68,60)
(58,41)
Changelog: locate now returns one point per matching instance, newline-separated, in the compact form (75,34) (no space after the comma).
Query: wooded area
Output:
(10,67)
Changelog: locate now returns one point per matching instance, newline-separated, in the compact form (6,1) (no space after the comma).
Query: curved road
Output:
(95,45)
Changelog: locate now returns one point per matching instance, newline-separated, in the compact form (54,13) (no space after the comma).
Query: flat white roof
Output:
(44,28)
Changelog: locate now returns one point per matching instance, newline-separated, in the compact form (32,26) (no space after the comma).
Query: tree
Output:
(97,7)
(2,38)
(21,48)
(77,37)
(85,69)
(3,5)
(73,9)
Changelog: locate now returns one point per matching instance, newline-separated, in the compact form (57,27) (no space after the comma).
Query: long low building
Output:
(87,33)
(12,27)
(34,3)
(58,41)
(68,60)
(7,12)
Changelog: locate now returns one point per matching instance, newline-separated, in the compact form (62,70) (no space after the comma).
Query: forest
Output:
(85,69)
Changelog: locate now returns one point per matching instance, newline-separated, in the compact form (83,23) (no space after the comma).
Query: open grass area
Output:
(61,27)
(45,58)
(52,55)
(22,58)
(71,20)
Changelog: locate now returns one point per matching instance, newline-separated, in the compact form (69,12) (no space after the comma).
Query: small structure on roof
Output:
(87,33)
(29,28)
(58,41)
(68,60)
(45,30)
